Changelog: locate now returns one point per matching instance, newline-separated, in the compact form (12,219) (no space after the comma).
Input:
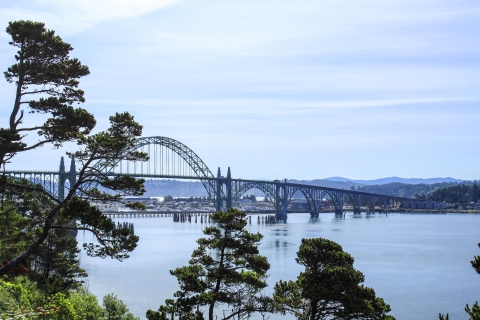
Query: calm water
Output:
(418,263)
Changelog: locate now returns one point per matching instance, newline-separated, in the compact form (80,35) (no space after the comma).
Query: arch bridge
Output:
(172,159)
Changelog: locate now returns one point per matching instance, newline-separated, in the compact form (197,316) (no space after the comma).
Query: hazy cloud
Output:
(73,16)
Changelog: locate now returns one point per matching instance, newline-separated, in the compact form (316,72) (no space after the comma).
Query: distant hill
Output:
(396,179)
(175,188)
(347,184)
(407,190)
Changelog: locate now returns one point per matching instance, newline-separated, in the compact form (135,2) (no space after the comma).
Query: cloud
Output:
(75,16)
(265,106)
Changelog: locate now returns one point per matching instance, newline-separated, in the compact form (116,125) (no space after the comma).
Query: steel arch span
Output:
(169,158)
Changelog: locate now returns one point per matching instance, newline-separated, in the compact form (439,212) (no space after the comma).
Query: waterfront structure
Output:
(427,205)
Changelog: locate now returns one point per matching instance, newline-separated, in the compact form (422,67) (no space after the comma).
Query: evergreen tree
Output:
(116,309)
(54,265)
(474,312)
(329,288)
(45,70)
(225,269)
(476,262)
(461,193)
(46,81)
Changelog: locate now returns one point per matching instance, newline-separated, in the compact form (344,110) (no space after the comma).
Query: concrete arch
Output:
(385,201)
(355,203)
(308,196)
(371,202)
(310,200)
(336,200)
(267,188)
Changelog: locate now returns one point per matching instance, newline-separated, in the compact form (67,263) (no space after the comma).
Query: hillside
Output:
(176,188)
(407,190)
(397,179)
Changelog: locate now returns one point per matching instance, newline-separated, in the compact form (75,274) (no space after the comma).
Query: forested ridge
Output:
(450,192)
(462,193)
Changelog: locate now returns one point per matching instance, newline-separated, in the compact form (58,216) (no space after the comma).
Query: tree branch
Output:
(41,190)
(99,238)
(30,129)
(38,144)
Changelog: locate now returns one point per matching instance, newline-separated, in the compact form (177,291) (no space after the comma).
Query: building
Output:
(299,204)
(426,205)
(477,205)
(244,202)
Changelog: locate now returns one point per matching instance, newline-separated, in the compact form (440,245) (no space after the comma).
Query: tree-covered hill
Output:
(461,193)
(406,190)
(450,192)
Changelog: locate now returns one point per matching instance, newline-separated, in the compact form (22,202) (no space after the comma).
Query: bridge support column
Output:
(357,204)
(338,200)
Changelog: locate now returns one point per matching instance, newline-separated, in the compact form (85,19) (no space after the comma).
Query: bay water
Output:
(419,263)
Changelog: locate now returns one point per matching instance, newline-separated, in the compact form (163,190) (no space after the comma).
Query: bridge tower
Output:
(71,176)
(223,200)
(281,200)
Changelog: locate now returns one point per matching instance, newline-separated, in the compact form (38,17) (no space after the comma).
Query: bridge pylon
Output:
(71,176)
(223,191)
(281,200)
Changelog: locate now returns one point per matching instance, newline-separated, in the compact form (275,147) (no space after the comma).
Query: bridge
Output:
(172,159)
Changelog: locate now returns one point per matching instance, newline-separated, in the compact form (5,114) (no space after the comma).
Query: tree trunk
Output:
(210,311)
(313,309)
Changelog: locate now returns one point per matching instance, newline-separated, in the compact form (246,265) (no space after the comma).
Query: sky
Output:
(278,89)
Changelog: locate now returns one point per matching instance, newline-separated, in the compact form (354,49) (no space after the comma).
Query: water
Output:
(419,263)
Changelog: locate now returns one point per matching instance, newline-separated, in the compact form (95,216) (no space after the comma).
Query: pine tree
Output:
(226,269)
(46,81)
(54,265)
(329,288)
